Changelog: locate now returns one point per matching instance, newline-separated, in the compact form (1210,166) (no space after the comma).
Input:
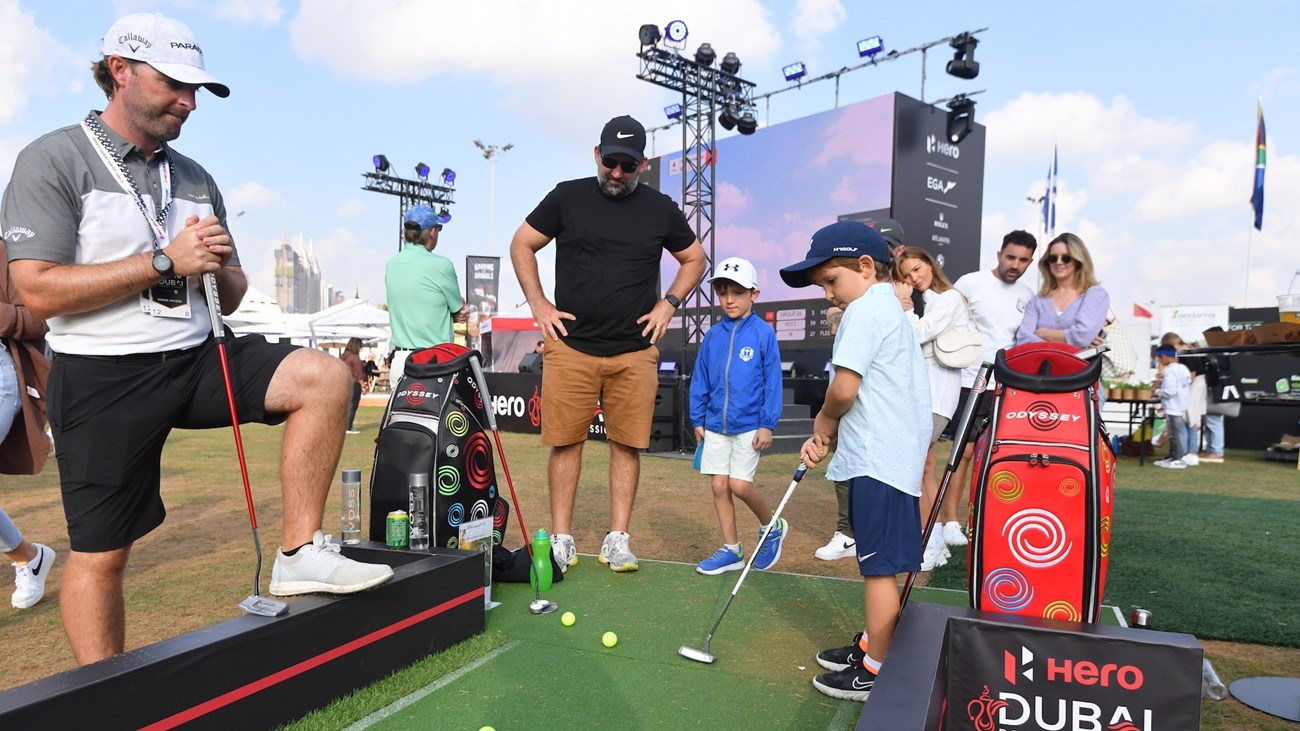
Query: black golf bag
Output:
(436,422)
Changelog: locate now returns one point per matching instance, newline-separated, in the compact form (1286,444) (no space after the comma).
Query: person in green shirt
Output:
(423,293)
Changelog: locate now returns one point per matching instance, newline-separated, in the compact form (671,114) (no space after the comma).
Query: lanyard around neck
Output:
(103,146)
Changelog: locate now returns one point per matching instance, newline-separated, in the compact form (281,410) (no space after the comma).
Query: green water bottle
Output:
(540,575)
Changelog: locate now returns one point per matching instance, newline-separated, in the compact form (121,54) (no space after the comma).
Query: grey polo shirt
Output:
(63,205)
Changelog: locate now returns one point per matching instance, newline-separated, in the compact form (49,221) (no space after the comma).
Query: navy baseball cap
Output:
(842,238)
(424,216)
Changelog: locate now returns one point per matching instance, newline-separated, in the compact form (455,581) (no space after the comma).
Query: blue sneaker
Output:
(722,561)
(770,552)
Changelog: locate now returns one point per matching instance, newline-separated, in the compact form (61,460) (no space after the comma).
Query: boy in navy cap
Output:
(878,407)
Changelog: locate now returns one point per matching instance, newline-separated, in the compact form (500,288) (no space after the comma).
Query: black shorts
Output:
(979,417)
(111,415)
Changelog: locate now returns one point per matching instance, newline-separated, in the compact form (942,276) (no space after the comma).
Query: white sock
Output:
(732,547)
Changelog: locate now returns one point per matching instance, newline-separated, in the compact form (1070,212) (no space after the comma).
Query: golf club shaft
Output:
(798,475)
(219,333)
(960,438)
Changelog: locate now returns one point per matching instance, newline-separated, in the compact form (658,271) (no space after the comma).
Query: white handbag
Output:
(957,348)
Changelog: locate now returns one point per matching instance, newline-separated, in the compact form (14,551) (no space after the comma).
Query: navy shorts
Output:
(887,525)
(111,415)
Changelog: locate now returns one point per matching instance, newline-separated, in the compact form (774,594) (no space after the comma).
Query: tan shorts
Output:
(574,382)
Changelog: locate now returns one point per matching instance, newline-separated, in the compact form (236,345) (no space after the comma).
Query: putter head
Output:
(690,653)
(542,606)
(263,607)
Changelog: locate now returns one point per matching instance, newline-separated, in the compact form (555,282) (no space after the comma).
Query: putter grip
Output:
(214,304)
(483,388)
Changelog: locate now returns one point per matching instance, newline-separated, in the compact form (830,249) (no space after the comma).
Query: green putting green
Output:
(547,675)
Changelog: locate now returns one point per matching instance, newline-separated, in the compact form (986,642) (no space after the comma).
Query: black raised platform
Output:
(258,672)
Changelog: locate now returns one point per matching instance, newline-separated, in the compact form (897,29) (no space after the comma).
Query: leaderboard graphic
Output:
(883,157)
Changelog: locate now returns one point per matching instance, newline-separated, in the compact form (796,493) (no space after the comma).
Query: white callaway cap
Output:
(165,44)
(736,270)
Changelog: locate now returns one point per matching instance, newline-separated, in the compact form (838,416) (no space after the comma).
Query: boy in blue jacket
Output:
(735,405)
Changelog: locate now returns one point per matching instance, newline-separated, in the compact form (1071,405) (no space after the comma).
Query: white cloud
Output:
(528,53)
(252,196)
(1081,125)
(351,208)
(32,62)
(251,12)
(814,19)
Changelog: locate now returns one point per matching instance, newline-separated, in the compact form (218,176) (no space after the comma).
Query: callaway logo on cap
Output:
(165,44)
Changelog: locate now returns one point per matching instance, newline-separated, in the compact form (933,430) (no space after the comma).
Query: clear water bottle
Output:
(350,513)
(540,577)
(419,510)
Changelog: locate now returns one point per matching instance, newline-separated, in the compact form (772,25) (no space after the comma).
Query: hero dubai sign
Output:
(1013,677)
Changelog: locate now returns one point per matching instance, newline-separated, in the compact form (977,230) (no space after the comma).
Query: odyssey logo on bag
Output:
(415,394)
(1042,415)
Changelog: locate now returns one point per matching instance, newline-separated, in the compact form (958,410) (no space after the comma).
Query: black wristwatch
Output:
(672,300)
(163,264)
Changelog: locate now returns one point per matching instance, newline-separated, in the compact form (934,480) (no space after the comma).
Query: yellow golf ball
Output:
(487,728)
(567,619)
(609,639)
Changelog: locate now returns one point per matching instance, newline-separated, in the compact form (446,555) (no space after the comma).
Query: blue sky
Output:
(1151,104)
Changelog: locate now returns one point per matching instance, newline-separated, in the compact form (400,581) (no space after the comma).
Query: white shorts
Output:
(729,454)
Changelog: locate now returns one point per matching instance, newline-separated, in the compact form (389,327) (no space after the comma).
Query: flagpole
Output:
(1249,235)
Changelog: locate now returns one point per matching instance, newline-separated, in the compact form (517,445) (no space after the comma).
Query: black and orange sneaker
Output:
(842,657)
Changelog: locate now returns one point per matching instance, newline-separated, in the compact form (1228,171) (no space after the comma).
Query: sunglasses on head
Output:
(1062,258)
(627,166)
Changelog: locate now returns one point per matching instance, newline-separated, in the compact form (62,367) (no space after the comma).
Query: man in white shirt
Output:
(998,300)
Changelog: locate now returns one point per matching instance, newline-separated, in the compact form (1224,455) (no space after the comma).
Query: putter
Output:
(690,653)
(538,605)
(960,437)
(255,603)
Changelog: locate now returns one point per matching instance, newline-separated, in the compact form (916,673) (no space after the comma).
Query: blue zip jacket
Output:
(736,385)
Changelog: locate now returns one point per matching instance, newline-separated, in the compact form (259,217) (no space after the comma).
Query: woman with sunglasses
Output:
(945,308)
(1071,305)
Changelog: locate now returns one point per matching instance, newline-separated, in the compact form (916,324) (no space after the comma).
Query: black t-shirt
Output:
(607,255)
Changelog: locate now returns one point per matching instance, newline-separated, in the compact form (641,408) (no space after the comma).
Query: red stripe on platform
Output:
(310,663)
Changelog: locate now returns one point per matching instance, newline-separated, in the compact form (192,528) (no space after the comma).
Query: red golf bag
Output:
(1042,488)
(436,423)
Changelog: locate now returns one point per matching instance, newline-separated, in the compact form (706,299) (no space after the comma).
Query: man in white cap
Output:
(109,230)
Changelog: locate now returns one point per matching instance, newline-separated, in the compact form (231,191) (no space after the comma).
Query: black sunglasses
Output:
(1062,258)
(627,166)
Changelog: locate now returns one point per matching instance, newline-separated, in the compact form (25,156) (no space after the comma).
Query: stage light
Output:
(705,55)
(747,124)
(963,64)
(961,118)
(422,171)
(444,215)
(448,177)
(870,46)
(794,71)
(381,163)
(730,63)
(727,119)
(675,31)
(649,34)
(673,111)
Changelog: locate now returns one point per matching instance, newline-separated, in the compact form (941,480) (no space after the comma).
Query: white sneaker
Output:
(320,566)
(954,534)
(840,546)
(1191,460)
(614,551)
(936,552)
(564,551)
(1172,464)
(29,578)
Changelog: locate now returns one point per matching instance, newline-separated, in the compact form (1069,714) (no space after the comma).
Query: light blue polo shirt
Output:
(885,434)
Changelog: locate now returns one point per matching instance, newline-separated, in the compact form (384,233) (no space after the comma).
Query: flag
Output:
(1261,159)
(1140,311)
(1049,198)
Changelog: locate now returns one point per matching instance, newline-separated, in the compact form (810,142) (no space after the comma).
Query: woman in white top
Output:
(945,308)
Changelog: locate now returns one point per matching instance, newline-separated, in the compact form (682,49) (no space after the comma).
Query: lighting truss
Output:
(410,193)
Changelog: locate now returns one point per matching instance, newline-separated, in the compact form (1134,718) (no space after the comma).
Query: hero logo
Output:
(503,405)
(1042,415)
(943,186)
(1013,710)
(936,146)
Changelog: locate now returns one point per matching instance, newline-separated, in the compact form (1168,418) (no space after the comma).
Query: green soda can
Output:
(397,529)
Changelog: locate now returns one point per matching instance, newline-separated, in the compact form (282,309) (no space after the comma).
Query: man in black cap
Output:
(610,234)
